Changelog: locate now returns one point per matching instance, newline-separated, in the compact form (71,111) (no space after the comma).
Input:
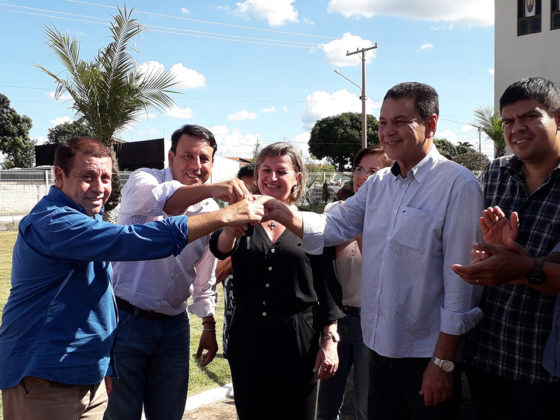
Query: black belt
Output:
(130,308)
(351,310)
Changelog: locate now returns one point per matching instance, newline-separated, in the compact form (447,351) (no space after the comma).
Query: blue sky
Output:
(263,70)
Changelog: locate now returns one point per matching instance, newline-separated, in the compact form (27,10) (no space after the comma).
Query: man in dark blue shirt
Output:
(58,324)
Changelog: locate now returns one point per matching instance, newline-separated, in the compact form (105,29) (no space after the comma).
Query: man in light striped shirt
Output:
(417,217)
(151,350)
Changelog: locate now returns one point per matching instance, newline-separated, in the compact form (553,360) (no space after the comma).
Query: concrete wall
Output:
(517,57)
(19,198)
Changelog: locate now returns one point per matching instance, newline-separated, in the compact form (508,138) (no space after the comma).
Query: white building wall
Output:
(517,57)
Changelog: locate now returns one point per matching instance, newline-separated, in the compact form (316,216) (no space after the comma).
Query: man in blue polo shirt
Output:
(58,324)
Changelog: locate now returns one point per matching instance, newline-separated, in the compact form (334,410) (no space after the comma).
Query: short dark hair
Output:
(194,130)
(371,151)
(539,88)
(65,152)
(425,97)
(246,171)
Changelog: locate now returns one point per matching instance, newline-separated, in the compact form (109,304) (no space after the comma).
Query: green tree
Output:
(109,91)
(338,138)
(464,147)
(15,144)
(472,160)
(445,147)
(67,130)
(490,123)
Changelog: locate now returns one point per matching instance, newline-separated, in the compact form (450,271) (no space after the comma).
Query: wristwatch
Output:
(333,335)
(446,365)
(536,274)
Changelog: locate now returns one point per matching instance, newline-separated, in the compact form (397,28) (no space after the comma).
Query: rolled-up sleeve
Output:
(460,313)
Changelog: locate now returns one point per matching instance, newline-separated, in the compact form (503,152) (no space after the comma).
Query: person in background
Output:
(505,352)
(352,352)
(59,321)
(283,302)
(153,336)
(417,219)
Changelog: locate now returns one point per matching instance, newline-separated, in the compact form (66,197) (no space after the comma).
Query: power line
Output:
(252,28)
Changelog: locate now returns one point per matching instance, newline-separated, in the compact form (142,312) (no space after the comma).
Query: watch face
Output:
(447,366)
(535,277)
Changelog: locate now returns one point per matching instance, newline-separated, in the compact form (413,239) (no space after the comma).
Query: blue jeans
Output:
(152,364)
(351,351)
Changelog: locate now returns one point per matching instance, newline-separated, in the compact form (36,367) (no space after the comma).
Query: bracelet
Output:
(209,329)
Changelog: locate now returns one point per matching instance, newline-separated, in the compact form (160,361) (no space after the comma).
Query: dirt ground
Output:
(225,409)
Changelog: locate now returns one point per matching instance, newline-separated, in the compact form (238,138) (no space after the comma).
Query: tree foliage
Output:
(109,91)
(18,148)
(490,123)
(445,147)
(472,160)
(338,138)
(67,130)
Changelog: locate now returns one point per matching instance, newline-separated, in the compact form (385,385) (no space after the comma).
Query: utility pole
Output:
(363,97)
(479,141)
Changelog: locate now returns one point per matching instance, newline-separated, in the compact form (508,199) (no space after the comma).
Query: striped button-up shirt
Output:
(414,229)
(165,285)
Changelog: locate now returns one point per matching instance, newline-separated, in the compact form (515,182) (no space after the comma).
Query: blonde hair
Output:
(284,149)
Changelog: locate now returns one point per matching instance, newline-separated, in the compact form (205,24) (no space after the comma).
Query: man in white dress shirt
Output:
(151,350)
(417,217)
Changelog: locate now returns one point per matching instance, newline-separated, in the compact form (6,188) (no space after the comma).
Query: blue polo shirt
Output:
(60,319)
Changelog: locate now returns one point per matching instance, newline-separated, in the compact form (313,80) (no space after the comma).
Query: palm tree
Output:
(109,91)
(490,123)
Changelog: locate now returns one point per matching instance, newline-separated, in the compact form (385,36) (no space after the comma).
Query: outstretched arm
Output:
(241,213)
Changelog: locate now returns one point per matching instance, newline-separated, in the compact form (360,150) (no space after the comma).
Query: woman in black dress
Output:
(283,333)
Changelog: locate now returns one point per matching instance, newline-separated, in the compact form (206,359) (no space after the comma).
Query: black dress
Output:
(283,298)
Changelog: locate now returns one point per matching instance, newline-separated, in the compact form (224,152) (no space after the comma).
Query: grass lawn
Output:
(200,379)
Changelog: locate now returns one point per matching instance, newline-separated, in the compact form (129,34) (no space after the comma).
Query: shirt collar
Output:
(60,198)
(421,169)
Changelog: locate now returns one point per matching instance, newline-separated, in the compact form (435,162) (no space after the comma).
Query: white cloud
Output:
(188,78)
(321,104)
(60,120)
(464,13)
(285,109)
(336,50)
(41,140)
(491,71)
(150,132)
(466,128)
(268,110)
(426,46)
(276,13)
(64,97)
(233,143)
(185,11)
(176,112)
(242,115)
(448,135)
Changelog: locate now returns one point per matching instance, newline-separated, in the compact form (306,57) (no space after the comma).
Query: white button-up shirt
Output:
(166,284)
(414,229)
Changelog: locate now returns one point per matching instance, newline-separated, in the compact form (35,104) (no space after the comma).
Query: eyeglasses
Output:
(359,171)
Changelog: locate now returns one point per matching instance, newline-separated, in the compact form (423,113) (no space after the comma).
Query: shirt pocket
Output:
(413,229)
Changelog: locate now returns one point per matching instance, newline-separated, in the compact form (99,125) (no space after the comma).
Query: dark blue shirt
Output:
(59,321)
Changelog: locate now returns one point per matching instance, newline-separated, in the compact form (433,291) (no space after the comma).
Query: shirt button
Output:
(269,268)
(264,302)
(267,285)
(273,250)
(264,314)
